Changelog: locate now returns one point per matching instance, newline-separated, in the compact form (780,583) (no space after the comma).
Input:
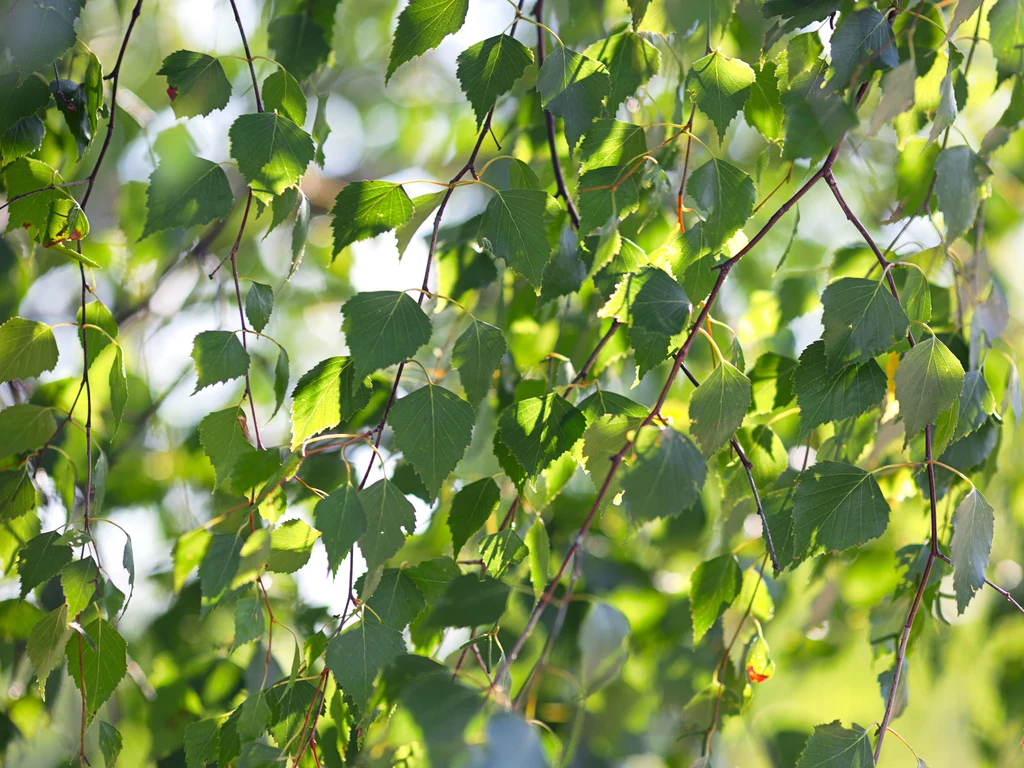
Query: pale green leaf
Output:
(326,394)
(719,86)
(718,406)
(928,381)
(973,528)
(714,585)
(283,94)
(27,349)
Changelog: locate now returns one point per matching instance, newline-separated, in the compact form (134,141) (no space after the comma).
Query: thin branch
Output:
(248,56)
(549,120)
(582,375)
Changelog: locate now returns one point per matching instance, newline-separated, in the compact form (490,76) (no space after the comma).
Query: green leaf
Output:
(720,86)
(201,743)
(606,194)
(540,556)
(832,746)
(976,404)
(476,355)
(300,44)
(387,513)
(79,581)
(862,319)
(342,521)
(470,601)
(46,643)
(433,428)
(928,381)
(763,110)
(973,528)
(365,209)
(516,223)
(110,743)
(291,544)
(1006,35)
(611,142)
(501,550)
(573,87)
(489,69)
(959,174)
(631,61)
(422,25)
(196,83)
(186,192)
(916,297)
(815,121)
(20,100)
(837,506)
(96,313)
(471,508)
(726,195)
(667,476)
(356,656)
(27,349)
(253,718)
(326,394)
(39,33)
(538,430)
(288,707)
(25,428)
(220,564)
(223,437)
(272,153)
(17,494)
(396,600)
(713,586)
(65,221)
(603,642)
(862,44)
(219,356)
(897,95)
(26,175)
(283,94)
(24,138)
(72,103)
(825,397)
(718,406)
(97,670)
(259,304)
(118,382)
(383,328)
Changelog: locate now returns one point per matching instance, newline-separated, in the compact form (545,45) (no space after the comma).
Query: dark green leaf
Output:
(667,476)
(118,382)
(387,513)
(837,506)
(300,44)
(17,494)
(365,209)
(396,600)
(201,743)
(470,601)
(713,587)
(383,328)
(515,224)
(538,430)
(342,521)
(272,153)
(471,508)
(976,404)
(433,428)
(489,69)
(422,25)
(631,61)
(606,194)
(862,319)
(196,83)
(219,356)
(291,544)
(39,33)
(573,87)
(356,656)
(259,303)
(863,43)
(832,746)
(97,667)
(501,550)
(825,397)
(185,193)
(20,100)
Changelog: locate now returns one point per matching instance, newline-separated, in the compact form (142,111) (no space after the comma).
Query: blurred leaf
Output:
(973,524)
(219,356)
(365,209)
(27,349)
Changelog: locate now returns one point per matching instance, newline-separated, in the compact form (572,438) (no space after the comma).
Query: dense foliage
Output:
(673,425)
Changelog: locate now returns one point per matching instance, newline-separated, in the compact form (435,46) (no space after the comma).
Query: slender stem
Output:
(549,120)
(248,56)
(582,375)
(686,169)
